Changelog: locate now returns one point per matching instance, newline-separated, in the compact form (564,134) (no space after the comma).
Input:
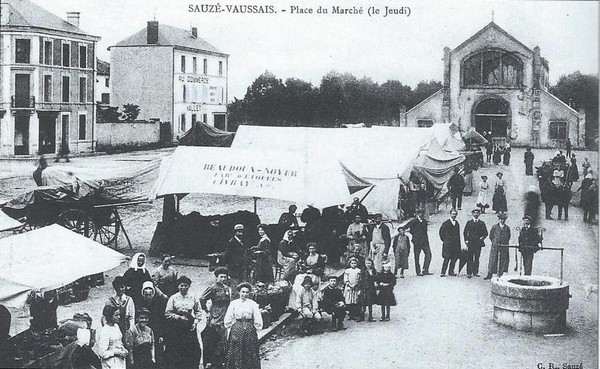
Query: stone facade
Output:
(495,84)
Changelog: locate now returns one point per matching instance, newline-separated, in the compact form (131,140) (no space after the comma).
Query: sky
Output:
(308,46)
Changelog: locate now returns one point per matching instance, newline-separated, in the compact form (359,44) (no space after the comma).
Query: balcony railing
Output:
(22,103)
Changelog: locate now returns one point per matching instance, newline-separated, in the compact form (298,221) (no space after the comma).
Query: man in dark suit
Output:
(418,229)
(474,233)
(456,186)
(450,236)
(529,243)
(235,258)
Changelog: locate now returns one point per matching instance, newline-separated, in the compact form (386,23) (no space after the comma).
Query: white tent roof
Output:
(48,258)
(284,175)
(7,223)
(378,154)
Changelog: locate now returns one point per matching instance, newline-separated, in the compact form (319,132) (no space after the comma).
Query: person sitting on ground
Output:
(83,357)
(289,219)
(332,302)
(307,306)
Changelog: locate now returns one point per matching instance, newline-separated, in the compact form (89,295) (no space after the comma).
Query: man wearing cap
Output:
(499,235)
(235,258)
(474,233)
(456,186)
(380,243)
(450,236)
(418,229)
(529,243)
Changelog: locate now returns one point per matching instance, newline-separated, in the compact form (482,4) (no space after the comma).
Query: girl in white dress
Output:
(483,198)
(111,350)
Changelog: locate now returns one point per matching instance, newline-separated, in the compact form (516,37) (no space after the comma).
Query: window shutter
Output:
(41,60)
(75,54)
(57,52)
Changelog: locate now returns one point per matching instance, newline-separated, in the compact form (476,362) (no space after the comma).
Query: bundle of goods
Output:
(273,298)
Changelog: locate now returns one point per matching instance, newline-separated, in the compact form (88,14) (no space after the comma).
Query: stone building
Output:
(172,75)
(102,82)
(47,69)
(495,84)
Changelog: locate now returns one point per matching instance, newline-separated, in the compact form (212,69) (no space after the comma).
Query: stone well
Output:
(531,303)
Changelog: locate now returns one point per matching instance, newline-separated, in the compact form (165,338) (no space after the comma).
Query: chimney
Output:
(4,12)
(194,32)
(73,18)
(152,35)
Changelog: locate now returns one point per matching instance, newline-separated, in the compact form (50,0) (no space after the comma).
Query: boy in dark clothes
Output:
(333,303)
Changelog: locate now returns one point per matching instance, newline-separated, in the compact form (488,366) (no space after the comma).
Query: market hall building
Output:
(172,75)
(46,81)
(494,83)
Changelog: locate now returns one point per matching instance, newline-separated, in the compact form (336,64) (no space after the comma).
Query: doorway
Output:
(47,141)
(22,134)
(64,144)
(492,115)
(219,120)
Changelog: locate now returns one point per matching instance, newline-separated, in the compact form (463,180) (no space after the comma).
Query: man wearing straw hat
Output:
(499,235)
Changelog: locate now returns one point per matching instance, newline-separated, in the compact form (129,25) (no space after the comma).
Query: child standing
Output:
(386,282)
(401,251)
(332,302)
(352,277)
(369,289)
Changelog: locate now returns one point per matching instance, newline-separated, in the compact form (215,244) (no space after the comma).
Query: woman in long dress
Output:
(111,350)
(243,319)
(499,199)
(483,201)
(263,267)
(182,348)
(468,174)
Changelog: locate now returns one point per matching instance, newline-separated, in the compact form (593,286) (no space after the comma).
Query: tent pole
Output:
(367,194)
(255,200)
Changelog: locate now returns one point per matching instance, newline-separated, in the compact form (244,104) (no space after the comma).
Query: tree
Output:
(580,91)
(423,90)
(265,99)
(107,114)
(130,112)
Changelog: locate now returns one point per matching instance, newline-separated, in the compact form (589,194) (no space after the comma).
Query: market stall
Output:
(42,261)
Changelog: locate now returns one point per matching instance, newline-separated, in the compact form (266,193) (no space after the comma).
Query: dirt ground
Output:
(437,322)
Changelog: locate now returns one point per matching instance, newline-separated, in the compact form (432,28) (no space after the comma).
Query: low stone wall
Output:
(127,134)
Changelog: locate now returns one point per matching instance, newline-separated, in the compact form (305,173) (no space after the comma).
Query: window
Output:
(492,68)
(47,88)
(194,119)
(48,52)
(182,123)
(22,51)
(195,65)
(558,130)
(66,55)
(105,98)
(65,88)
(424,122)
(82,57)
(82,89)
(82,126)
(205,67)
(182,63)
(184,94)
(106,82)
(220,68)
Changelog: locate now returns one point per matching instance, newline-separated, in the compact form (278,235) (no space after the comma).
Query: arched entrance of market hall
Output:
(492,115)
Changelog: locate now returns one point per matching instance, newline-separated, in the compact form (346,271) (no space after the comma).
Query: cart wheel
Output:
(108,230)
(77,221)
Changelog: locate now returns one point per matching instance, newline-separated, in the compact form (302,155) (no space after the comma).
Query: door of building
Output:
(219,120)
(47,141)
(64,144)
(492,116)
(22,134)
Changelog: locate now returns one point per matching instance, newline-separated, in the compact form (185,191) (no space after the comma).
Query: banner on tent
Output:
(235,174)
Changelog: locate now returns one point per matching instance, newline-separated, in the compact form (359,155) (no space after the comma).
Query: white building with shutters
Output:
(47,69)
(172,75)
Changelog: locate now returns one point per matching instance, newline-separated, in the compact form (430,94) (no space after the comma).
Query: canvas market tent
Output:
(284,175)
(380,155)
(201,134)
(48,258)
